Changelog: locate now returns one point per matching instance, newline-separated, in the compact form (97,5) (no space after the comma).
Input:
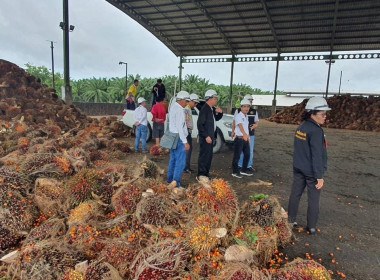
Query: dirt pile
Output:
(347,112)
(31,113)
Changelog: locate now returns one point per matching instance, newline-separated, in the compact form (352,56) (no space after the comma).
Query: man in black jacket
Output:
(309,162)
(158,91)
(208,116)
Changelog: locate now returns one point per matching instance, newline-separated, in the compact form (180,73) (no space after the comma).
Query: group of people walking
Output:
(180,121)
(310,146)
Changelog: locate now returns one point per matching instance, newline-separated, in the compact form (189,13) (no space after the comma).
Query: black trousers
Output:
(188,153)
(205,157)
(300,182)
(240,146)
(131,106)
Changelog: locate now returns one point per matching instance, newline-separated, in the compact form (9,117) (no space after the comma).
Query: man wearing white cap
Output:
(141,123)
(194,100)
(177,124)
(253,119)
(208,116)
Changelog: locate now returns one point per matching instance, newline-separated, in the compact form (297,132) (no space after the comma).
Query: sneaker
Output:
(237,175)
(145,151)
(246,172)
(199,178)
(294,225)
(311,231)
(251,169)
(188,171)
(136,151)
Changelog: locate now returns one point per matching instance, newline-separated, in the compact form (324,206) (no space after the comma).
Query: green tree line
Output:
(113,90)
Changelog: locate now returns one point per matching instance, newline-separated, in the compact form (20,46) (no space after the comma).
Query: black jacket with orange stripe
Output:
(310,154)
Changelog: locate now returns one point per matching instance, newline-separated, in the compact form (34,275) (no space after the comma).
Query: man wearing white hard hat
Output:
(241,141)
(253,119)
(194,100)
(177,124)
(309,162)
(208,116)
(141,124)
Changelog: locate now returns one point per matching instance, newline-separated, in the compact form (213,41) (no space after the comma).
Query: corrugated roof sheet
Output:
(223,27)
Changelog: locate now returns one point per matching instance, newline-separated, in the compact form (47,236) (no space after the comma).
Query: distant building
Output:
(282,100)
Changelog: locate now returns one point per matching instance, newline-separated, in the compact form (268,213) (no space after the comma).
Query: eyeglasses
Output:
(322,115)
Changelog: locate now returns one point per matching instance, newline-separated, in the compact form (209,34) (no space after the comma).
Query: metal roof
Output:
(234,27)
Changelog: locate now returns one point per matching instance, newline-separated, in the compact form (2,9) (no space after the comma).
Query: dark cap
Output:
(159,81)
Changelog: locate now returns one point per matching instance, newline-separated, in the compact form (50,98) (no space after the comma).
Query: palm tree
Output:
(195,84)
(117,90)
(96,90)
(171,83)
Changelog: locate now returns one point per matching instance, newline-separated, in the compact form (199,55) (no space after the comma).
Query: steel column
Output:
(274,101)
(180,73)
(66,53)
(340,81)
(328,75)
(231,82)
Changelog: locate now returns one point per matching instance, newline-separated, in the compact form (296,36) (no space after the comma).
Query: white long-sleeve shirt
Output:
(177,121)
(141,115)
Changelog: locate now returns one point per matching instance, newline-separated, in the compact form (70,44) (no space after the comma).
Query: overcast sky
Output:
(104,35)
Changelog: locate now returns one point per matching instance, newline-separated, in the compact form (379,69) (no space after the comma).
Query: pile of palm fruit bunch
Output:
(347,112)
(70,209)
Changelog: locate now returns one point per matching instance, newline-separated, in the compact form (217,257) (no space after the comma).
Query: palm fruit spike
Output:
(150,169)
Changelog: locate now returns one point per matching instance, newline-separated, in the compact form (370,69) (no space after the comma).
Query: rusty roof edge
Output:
(148,26)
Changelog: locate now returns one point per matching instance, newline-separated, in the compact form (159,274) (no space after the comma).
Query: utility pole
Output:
(52,62)
(340,81)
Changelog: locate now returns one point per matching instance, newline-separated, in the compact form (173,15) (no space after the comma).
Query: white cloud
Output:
(103,36)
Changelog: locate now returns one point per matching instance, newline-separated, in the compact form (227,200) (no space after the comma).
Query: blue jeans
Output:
(177,163)
(250,162)
(141,132)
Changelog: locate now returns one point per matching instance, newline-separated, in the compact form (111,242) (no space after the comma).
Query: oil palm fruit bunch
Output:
(261,209)
(82,185)
(157,210)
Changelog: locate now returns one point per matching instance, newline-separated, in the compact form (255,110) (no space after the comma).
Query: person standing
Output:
(158,91)
(131,95)
(208,116)
(158,119)
(253,119)
(309,162)
(194,100)
(177,124)
(241,141)
(141,123)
